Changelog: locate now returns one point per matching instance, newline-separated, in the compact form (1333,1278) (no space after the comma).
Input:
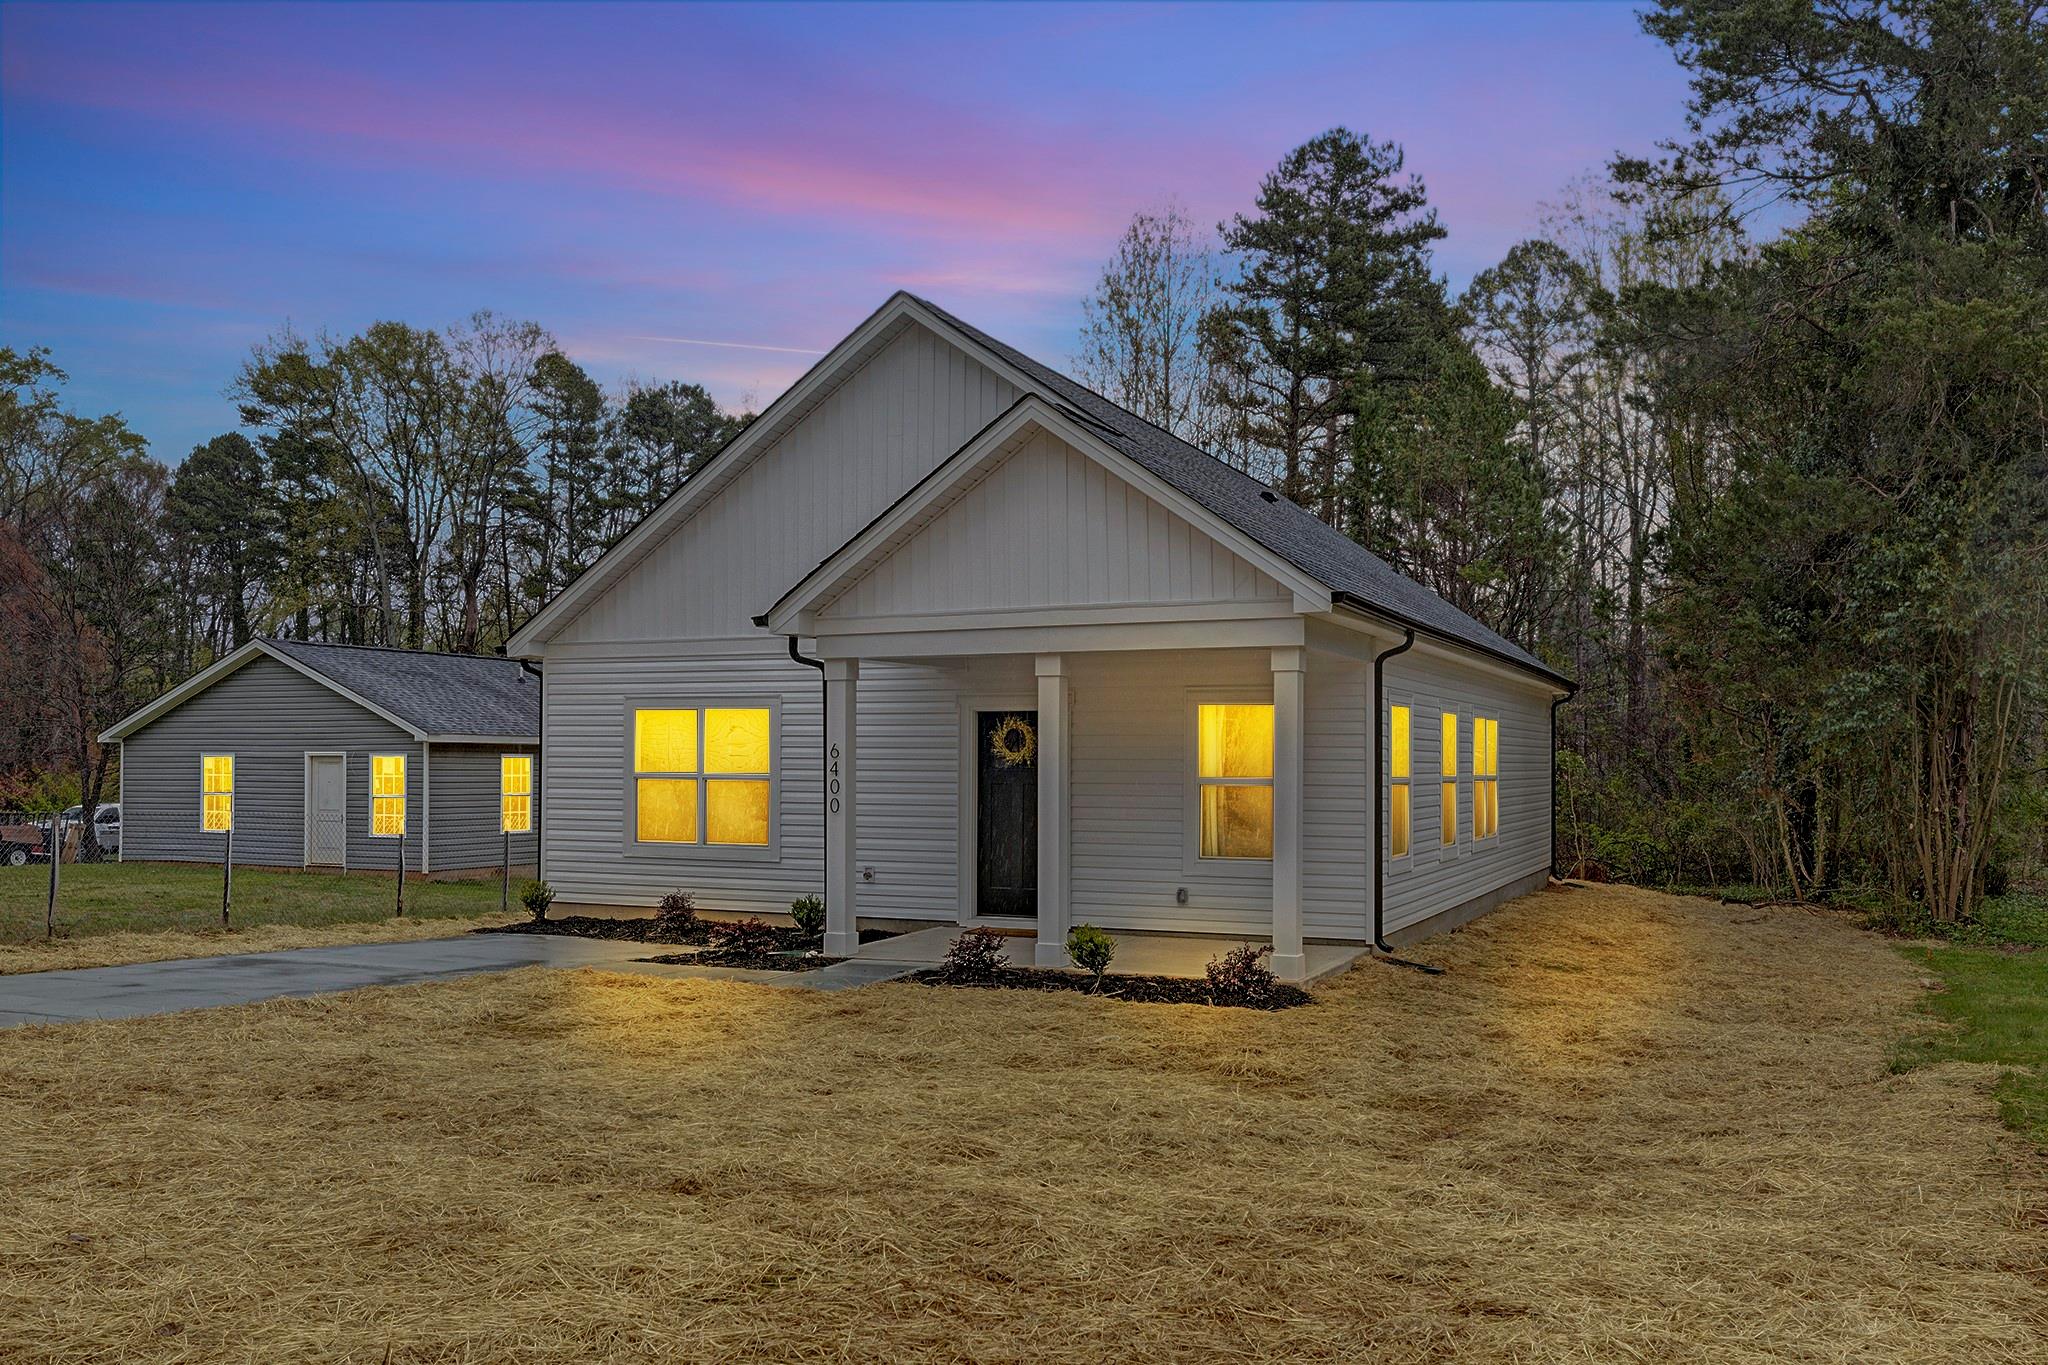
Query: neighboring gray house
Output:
(1073,669)
(327,751)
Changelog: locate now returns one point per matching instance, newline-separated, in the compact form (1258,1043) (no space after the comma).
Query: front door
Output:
(326,810)
(1006,814)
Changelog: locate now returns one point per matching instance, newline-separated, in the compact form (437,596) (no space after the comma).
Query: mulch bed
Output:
(646,929)
(1150,990)
(752,962)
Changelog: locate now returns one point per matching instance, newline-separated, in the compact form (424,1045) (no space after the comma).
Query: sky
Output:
(716,193)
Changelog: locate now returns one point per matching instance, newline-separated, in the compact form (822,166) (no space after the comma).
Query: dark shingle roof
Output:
(1318,549)
(437,694)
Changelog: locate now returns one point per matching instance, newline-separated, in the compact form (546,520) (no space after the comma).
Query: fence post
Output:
(401,871)
(56,856)
(505,883)
(227,872)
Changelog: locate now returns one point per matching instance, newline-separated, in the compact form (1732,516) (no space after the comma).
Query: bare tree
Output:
(1140,343)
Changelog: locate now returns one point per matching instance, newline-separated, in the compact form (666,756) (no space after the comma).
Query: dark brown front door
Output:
(1006,813)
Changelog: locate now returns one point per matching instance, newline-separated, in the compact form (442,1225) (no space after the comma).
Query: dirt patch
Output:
(1619,1128)
(1150,990)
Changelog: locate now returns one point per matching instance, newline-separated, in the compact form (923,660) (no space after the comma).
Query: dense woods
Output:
(1748,436)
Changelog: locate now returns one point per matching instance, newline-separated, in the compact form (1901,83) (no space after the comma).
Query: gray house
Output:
(1073,669)
(321,755)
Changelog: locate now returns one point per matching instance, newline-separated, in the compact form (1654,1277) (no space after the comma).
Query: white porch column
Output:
(842,685)
(1053,761)
(1289,704)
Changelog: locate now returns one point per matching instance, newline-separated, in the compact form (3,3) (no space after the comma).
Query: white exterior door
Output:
(326,810)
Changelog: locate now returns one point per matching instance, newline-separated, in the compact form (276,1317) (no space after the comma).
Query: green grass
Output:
(1995,1002)
(146,897)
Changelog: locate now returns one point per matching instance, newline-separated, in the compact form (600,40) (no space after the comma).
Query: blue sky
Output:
(177,182)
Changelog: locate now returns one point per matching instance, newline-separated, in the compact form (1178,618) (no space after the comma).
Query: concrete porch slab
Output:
(1137,954)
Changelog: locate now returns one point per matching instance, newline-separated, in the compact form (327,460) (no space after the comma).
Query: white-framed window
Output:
(515,793)
(1234,780)
(1447,769)
(1485,777)
(702,776)
(1400,807)
(387,796)
(216,792)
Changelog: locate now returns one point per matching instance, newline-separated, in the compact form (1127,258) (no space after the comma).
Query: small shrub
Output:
(976,955)
(747,937)
(809,914)
(1241,975)
(1091,950)
(536,897)
(677,913)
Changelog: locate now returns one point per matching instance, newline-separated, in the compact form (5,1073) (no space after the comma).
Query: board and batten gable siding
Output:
(269,717)
(464,782)
(1050,527)
(891,422)
(1432,878)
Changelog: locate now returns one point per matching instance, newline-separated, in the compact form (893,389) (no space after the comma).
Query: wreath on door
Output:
(1013,742)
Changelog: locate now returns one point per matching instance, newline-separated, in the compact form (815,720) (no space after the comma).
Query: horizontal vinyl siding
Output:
(1336,895)
(888,425)
(1432,879)
(268,716)
(464,834)
(1048,526)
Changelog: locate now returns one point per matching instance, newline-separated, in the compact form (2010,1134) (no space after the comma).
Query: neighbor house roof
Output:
(438,697)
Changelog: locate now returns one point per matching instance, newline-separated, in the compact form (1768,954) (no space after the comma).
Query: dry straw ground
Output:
(1624,1127)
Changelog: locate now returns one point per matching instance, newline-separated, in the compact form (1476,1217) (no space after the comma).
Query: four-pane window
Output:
(702,775)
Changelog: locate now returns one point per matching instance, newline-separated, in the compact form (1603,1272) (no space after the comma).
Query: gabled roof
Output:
(436,697)
(1354,576)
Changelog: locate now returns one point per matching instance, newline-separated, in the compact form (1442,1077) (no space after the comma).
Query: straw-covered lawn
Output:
(1623,1127)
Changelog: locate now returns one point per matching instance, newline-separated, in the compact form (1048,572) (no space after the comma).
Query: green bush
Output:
(1091,950)
(809,914)
(536,897)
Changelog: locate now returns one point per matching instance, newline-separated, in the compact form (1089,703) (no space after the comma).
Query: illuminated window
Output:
(217,792)
(1234,779)
(703,775)
(515,793)
(1398,809)
(1485,777)
(387,796)
(1447,799)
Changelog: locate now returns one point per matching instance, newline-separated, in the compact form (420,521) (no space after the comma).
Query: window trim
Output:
(630,843)
(234,777)
(404,795)
(528,793)
(1405,701)
(1193,864)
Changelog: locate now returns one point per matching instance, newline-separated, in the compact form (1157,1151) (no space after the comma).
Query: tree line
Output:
(405,486)
(1747,437)
(1777,499)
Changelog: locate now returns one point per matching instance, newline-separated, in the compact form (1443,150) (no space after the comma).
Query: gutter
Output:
(1379,799)
(1364,608)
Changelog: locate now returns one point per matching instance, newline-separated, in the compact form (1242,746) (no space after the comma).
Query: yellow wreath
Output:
(1013,742)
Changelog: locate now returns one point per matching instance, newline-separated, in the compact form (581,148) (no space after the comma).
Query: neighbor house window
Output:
(1485,777)
(387,796)
(217,792)
(1398,808)
(515,793)
(1234,778)
(1448,797)
(702,775)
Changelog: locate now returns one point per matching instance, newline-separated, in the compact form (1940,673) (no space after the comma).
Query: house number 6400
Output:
(832,786)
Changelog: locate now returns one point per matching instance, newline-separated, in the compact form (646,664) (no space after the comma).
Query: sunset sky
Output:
(179,181)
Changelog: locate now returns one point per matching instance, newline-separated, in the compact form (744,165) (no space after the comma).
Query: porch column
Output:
(1289,704)
(842,685)
(1052,812)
